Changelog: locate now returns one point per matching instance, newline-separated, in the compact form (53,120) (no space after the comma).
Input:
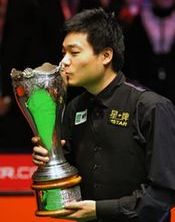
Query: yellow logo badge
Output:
(119,118)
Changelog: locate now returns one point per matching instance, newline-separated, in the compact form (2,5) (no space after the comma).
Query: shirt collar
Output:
(104,96)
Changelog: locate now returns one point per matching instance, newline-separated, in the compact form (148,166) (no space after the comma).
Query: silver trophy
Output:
(40,94)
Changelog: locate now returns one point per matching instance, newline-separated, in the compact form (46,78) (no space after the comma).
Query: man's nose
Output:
(66,61)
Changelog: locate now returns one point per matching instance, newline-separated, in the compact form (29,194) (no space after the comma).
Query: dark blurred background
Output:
(31,34)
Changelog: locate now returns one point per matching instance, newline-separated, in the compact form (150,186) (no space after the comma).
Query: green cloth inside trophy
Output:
(43,110)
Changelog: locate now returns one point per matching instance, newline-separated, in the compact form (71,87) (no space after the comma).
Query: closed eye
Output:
(75,53)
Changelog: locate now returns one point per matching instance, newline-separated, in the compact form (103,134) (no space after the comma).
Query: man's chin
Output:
(73,84)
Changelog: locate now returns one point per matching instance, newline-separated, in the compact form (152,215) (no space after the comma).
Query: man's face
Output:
(82,67)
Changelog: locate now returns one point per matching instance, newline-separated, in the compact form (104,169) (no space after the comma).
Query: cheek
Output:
(83,66)
(90,73)
(87,67)
(89,63)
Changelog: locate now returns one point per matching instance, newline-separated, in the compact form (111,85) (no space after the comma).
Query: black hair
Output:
(103,31)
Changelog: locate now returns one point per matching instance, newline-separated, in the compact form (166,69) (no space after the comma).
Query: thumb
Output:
(73,205)
(35,139)
(63,142)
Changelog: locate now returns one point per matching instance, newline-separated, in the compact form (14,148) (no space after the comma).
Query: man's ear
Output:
(107,56)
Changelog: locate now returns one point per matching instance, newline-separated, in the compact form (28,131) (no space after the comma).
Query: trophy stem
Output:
(57,168)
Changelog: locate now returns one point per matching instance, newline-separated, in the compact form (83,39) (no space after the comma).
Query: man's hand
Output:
(84,210)
(40,155)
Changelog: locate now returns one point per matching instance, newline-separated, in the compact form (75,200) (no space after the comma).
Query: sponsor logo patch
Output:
(119,118)
(81,117)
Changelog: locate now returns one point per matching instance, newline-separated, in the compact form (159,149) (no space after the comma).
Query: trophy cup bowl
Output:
(40,94)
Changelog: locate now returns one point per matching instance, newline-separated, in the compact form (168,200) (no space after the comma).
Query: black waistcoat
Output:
(107,154)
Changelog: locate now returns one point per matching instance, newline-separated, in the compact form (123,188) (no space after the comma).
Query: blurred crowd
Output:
(31,34)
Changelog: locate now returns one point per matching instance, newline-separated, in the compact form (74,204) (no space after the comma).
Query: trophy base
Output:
(53,213)
(51,196)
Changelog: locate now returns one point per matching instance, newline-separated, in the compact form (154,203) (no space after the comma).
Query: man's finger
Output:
(63,142)
(40,151)
(35,139)
(40,158)
(73,205)
(39,163)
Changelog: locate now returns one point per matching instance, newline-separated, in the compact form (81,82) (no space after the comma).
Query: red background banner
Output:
(15,173)
(15,186)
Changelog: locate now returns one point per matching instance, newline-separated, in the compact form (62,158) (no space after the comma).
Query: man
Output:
(120,137)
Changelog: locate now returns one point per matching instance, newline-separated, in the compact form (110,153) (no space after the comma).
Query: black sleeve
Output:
(155,205)
(157,124)
(122,208)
